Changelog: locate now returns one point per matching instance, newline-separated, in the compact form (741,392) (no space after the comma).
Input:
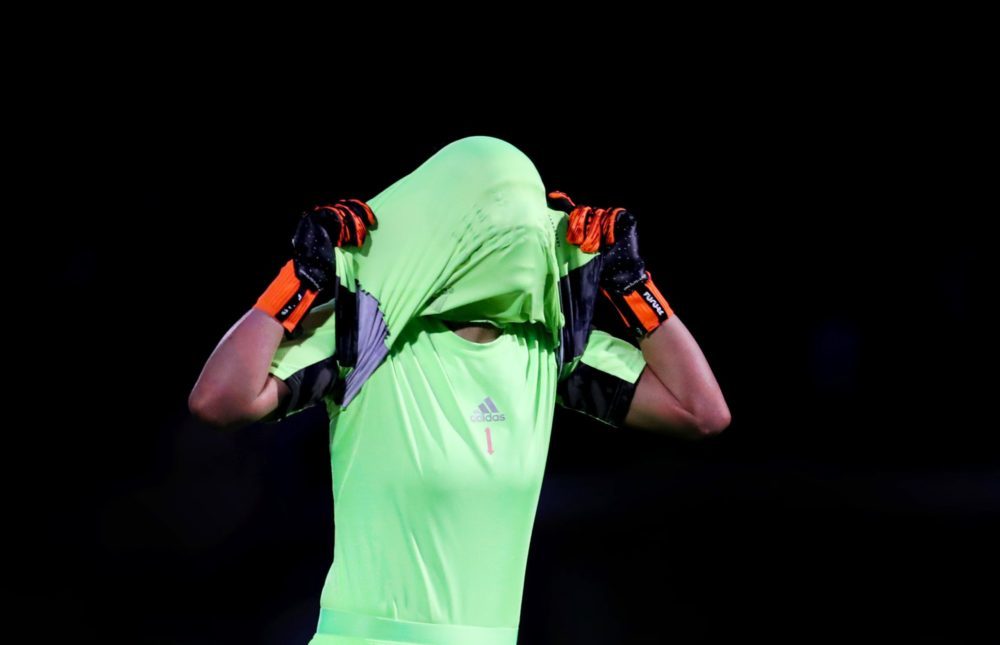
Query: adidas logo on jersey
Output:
(487,412)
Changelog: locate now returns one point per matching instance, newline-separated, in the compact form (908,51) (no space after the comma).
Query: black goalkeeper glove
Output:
(624,280)
(312,268)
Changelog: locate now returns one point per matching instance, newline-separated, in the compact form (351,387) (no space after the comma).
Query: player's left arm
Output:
(677,392)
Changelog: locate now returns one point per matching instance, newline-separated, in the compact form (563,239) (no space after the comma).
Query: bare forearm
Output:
(235,377)
(674,356)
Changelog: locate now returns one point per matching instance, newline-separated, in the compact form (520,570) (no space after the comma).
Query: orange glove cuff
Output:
(642,307)
(286,298)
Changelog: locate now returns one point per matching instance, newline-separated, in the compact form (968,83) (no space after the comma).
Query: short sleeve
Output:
(603,381)
(308,364)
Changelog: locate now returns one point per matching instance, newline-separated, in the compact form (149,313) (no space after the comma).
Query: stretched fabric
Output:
(467,236)
(437,461)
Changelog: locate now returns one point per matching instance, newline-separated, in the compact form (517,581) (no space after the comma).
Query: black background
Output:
(821,234)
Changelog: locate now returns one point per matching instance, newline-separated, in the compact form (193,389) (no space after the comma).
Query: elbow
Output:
(217,410)
(714,422)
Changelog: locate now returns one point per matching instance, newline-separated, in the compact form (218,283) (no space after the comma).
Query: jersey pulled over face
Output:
(439,454)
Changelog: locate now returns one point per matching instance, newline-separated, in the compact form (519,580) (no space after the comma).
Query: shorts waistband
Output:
(362,625)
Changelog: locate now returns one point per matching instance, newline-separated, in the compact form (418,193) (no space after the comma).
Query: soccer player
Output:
(439,323)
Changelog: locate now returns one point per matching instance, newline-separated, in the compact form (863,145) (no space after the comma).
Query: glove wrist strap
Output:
(641,306)
(286,299)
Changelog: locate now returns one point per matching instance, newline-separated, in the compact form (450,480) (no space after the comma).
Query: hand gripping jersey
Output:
(438,444)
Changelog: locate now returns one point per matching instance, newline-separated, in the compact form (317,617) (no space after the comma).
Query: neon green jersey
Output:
(438,449)
(437,466)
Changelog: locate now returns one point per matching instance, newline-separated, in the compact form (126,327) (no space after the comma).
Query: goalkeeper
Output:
(439,323)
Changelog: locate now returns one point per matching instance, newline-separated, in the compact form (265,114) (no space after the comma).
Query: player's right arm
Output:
(278,358)
(235,387)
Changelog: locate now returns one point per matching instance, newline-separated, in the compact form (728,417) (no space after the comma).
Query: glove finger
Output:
(610,223)
(363,211)
(357,228)
(360,219)
(331,217)
(355,217)
(560,201)
(353,228)
(575,231)
(592,231)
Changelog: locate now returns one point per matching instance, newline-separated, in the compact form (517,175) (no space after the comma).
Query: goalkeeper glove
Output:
(623,280)
(312,268)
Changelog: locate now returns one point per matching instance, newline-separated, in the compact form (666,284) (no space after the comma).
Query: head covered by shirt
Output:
(466,236)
